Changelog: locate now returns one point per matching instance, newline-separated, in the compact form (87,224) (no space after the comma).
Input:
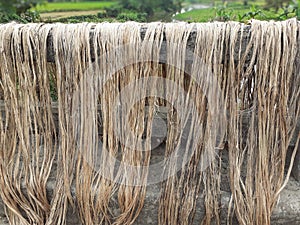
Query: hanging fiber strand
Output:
(82,124)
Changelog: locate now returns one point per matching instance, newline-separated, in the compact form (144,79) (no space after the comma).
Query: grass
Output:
(234,11)
(198,15)
(73,6)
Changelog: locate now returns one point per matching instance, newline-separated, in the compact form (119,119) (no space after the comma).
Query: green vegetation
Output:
(145,10)
(298,10)
(141,10)
(238,11)
(24,18)
(199,15)
(73,6)
(151,6)
(17,6)
(132,16)
(121,10)
(78,19)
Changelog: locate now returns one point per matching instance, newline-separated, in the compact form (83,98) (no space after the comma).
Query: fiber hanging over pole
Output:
(81,106)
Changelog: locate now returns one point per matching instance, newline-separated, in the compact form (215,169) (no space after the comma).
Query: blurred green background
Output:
(146,10)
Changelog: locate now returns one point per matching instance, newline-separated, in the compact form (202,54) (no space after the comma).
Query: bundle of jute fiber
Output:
(109,82)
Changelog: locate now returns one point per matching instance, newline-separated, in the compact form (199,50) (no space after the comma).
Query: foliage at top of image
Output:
(243,11)
(113,10)
(18,6)
(149,6)
(65,6)
(25,11)
(18,10)
(26,17)
(142,10)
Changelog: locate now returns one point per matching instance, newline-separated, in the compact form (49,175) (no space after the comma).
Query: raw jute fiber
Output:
(83,119)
